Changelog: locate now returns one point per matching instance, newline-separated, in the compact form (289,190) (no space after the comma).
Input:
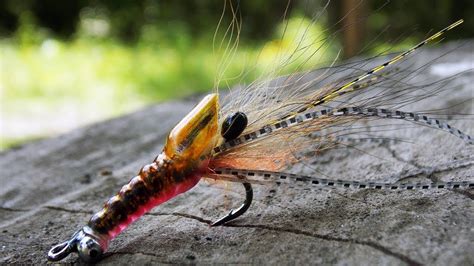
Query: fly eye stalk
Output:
(233,125)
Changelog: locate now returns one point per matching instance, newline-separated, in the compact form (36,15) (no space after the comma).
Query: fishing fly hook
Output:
(239,211)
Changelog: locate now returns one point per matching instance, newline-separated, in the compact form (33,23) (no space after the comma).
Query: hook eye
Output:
(60,251)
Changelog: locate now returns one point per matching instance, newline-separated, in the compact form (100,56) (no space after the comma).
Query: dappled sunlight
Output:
(51,86)
(105,59)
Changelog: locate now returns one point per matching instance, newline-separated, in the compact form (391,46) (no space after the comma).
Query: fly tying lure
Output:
(218,143)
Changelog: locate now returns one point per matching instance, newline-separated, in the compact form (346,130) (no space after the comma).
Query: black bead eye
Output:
(233,125)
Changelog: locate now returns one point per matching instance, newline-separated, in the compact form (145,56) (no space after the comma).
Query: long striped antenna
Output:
(337,92)
(346,111)
(263,177)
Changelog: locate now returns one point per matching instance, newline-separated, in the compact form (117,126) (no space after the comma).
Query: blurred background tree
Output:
(69,63)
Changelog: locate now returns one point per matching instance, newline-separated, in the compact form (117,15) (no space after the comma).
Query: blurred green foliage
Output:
(105,58)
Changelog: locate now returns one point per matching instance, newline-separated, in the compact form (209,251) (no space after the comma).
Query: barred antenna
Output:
(340,112)
(350,84)
(305,115)
(262,177)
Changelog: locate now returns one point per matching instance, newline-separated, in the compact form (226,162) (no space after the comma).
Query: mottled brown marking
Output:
(150,182)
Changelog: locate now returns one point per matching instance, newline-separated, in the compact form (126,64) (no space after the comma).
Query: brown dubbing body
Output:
(154,184)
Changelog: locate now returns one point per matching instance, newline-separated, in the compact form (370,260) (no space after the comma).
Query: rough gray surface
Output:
(50,188)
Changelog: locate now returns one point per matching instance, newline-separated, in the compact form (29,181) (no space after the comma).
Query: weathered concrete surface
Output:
(50,188)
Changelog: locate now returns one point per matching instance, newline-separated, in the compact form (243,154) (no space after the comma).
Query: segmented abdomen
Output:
(155,184)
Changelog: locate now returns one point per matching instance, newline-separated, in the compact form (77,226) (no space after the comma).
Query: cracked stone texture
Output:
(51,187)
